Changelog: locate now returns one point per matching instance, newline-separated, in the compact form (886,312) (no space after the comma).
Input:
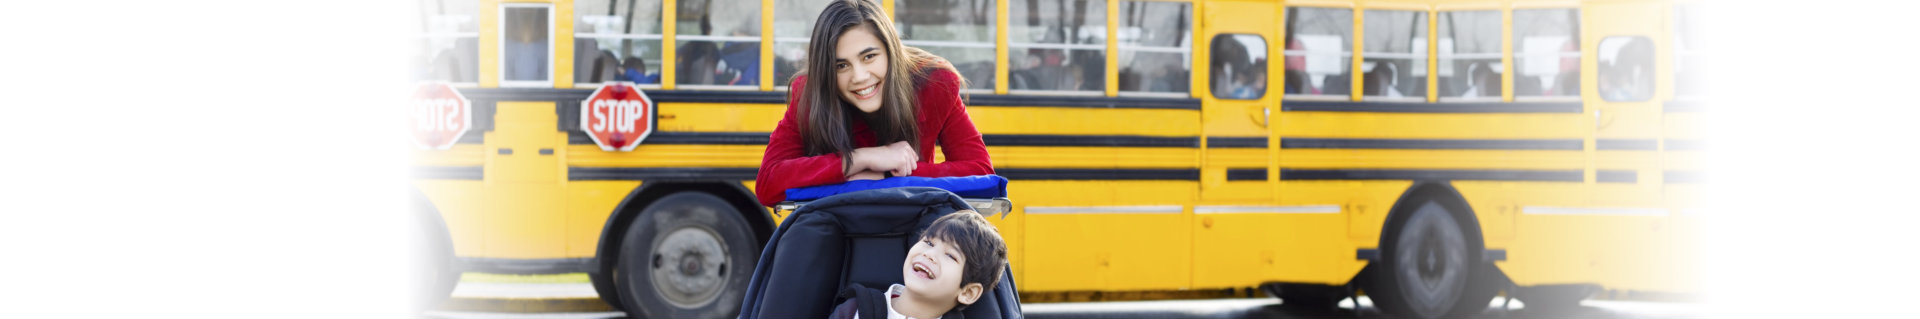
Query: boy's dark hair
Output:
(979,241)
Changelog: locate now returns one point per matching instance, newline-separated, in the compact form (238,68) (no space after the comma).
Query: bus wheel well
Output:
(738,196)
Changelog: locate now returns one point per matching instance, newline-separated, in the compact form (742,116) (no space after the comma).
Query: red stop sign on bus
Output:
(439,116)
(617,116)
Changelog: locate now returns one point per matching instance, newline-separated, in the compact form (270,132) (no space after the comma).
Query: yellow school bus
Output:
(1428,154)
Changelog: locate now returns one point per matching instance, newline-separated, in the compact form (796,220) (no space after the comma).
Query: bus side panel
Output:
(1316,247)
(589,204)
(1560,238)
(460,211)
(1076,251)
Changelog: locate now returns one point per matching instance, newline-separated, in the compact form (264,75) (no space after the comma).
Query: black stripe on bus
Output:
(1373,254)
(1613,144)
(1089,140)
(527,94)
(1082,101)
(684,96)
(1685,145)
(661,173)
(1616,176)
(449,172)
(658,95)
(1682,177)
(1236,142)
(685,138)
(1098,174)
(1433,144)
(482,121)
(1433,174)
(1423,107)
(748,173)
(1246,174)
(1684,106)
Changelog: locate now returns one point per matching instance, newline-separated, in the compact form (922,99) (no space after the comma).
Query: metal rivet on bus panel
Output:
(1206,222)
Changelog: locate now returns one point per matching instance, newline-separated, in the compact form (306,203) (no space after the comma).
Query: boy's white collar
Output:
(895,292)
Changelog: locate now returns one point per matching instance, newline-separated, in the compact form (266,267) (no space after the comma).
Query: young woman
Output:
(867,107)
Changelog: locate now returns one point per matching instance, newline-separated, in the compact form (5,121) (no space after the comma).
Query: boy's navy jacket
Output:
(858,238)
(976,186)
(872,304)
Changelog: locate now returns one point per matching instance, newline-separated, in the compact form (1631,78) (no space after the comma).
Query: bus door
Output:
(524,171)
(1238,233)
(1236,102)
(1623,100)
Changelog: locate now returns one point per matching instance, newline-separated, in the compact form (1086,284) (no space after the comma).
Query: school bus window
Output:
(449,42)
(1394,57)
(1470,65)
(617,40)
(1057,45)
(1239,67)
(719,42)
(1689,54)
(1547,49)
(792,27)
(1155,37)
(962,31)
(1626,69)
(1319,51)
(526,45)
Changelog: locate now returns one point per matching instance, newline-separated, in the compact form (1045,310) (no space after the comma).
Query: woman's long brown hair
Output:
(825,130)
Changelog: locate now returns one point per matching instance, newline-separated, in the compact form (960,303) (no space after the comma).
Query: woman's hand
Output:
(897,158)
(866,175)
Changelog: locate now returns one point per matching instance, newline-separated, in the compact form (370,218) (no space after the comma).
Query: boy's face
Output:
(933,269)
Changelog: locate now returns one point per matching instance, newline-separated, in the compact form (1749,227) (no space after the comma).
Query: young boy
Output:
(956,260)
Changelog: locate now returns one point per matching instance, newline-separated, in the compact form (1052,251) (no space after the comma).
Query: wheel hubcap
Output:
(1431,262)
(688,267)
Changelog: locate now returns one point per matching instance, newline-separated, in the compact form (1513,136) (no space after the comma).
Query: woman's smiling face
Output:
(860,67)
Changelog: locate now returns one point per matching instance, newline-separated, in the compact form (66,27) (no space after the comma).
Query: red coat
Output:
(943,121)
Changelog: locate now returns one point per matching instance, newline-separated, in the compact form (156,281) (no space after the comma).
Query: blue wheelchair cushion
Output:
(977,186)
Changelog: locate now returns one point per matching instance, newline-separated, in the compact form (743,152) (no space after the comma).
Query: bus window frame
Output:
(1003,32)
(1498,53)
(501,48)
(1425,14)
(1353,62)
(1679,43)
(1185,50)
(624,36)
(1601,71)
(425,35)
(1512,45)
(1212,75)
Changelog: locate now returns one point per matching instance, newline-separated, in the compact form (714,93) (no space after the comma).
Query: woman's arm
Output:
(786,165)
(966,154)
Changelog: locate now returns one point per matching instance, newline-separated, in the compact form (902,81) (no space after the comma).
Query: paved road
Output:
(1232,308)
(1271,308)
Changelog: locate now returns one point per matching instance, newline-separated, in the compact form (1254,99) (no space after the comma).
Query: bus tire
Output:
(435,250)
(604,287)
(1427,267)
(688,255)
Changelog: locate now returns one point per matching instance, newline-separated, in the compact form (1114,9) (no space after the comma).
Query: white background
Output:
(247,159)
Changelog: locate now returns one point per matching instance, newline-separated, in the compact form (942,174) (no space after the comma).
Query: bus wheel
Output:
(1426,267)
(434,248)
(688,255)
(603,286)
